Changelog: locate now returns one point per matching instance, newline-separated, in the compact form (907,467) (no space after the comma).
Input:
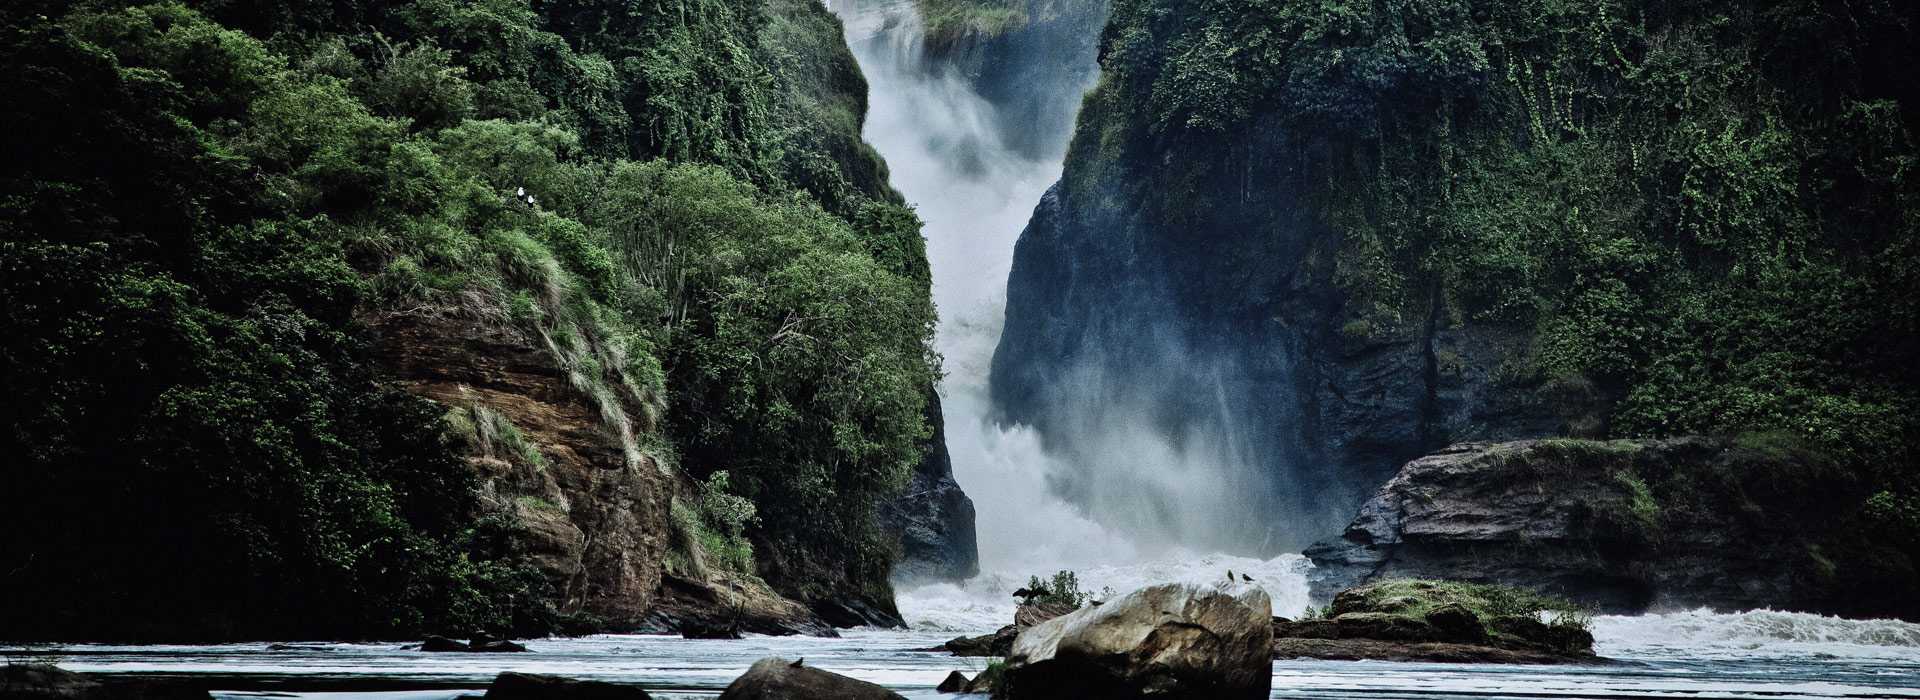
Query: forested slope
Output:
(1397,224)
(242,241)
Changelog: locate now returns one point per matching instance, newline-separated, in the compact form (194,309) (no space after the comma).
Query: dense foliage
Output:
(1703,214)
(206,200)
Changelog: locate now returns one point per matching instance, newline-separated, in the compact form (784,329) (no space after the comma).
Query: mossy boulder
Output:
(1410,619)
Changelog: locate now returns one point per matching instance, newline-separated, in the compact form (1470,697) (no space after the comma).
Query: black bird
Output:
(796,662)
(1248,579)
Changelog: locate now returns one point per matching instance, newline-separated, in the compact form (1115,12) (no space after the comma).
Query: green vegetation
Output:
(1704,215)
(1062,590)
(1498,609)
(950,22)
(208,201)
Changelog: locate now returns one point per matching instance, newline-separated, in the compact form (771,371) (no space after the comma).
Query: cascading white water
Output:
(975,192)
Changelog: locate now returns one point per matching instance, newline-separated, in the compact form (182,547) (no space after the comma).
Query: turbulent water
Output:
(1692,655)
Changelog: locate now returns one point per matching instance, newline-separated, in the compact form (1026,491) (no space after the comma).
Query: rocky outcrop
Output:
(1229,329)
(727,603)
(933,517)
(775,678)
(532,686)
(1167,641)
(1000,643)
(1413,620)
(594,521)
(1625,527)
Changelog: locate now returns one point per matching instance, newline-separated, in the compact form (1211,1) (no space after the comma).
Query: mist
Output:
(1117,477)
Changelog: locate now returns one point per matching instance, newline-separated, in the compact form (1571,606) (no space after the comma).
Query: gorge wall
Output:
(1298,244)
(439,317)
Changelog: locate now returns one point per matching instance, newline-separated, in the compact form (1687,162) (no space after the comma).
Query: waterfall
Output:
(950,154)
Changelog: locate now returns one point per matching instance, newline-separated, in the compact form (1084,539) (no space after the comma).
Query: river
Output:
(1689,654)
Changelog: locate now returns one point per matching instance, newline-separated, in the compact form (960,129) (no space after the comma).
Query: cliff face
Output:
(933,517)
(1227,327)
(594,524)
(1302,244)
(414,326)
(1628,527)
(1033,66)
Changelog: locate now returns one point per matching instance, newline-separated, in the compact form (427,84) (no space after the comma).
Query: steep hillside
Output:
(1334,236)
(371,318)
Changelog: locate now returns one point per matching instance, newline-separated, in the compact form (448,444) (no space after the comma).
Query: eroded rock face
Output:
(774,678)
(593,522)
(1621,526)
(933,517)
(1167,641)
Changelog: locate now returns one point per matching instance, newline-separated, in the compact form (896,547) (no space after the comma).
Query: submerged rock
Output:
(1168,641)
(702,629)
(774,678)
(531,686)
(439,643)
(45,682)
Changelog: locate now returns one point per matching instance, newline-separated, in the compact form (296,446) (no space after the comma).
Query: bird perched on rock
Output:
(1244,577)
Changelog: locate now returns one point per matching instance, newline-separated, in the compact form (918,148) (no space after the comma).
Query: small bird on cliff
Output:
(1244,577)
(796,662)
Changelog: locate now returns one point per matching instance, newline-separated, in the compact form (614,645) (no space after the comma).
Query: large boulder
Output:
(774,678)
(531,686)
(1168,641)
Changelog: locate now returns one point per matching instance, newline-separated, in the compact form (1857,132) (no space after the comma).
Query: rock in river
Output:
(530,686)
(774,678)
(1172,641)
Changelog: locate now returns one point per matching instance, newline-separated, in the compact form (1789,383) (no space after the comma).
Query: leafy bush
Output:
(1063,590)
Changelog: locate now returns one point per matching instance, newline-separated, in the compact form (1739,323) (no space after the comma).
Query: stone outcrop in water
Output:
(1627,527)
(1000,642)
(1412,620)
(1166,641)
(533,686)
(774,678)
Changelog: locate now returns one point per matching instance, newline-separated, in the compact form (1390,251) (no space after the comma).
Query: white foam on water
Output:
(1754,634)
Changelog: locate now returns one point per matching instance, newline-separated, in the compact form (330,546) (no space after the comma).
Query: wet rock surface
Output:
(1622,527)
(531,686)
(1000,642)
(1167,641)
(775,678)
(1409,620)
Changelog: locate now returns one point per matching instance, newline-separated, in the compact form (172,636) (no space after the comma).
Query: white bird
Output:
(529,200)
(522,192)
